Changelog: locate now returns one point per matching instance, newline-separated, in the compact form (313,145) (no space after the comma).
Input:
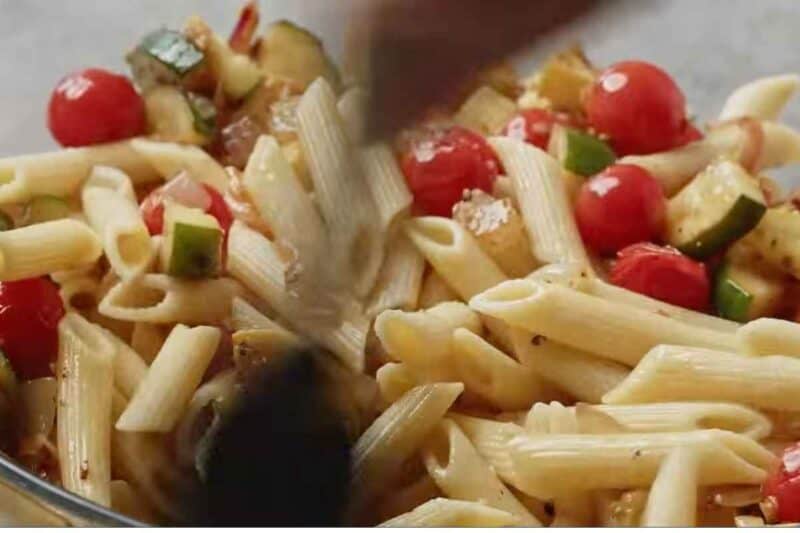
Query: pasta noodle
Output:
(37,400)
(434,291)
(770,336)
(454,464)
(340,187)
(40,249)
(111,208)
(170,159)
(407,498)
(442,512)
(394,436)
(161,299)
(678,373)
(559,312)
(146,340)
(85,376)
(166,390)
(554,465)
(763,98)
(491,440)
(673,496)
(394,380)
(542,198)
(400,278)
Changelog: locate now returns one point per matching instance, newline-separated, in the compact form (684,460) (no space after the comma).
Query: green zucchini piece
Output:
(579,152)
(719,206)
(742,295)
(6,222)
(164,57)
(192,243)
(172,117)
(291,52)
(204,112)
(44,209)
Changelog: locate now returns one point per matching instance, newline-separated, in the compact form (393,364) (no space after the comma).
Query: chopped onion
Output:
(186,191)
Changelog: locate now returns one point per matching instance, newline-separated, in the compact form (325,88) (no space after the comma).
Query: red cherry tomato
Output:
(663,273)
(638,106)
(152,209)
(439,169)
(535,125)
(29,313)
(783,485)
(689,134)
(95,106)
(622,205)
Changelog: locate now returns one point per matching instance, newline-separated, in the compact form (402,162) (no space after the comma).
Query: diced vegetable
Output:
(164,57)
(663,273)
(241,38)
(621,206)
(238,74)
(718,207)
(95,106)
(193,243)
(638,106)
(174,116)
(289,51)
(579,152)
(783,485)
(776,239)
(189,193)
(564,80)
(6,222)
(742,294)
(535,125)
(44,209)
(486,111)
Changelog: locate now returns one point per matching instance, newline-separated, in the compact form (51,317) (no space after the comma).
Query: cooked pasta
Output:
(169,159)
(443,512)
(399,281)
(673,497)
(769,336)
(763,98)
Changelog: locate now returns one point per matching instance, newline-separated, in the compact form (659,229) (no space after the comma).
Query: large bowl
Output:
(710,47)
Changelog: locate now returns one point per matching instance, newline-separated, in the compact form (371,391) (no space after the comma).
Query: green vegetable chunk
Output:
(580,152)
(742,294)
(164,57)
(175,116)
(44,209)
(719,206)
(193,243)
(291,52)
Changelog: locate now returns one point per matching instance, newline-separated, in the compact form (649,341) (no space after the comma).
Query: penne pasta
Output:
(129,367)
(394,380)
(407,498)
(111,209)
(582,375)
(781,146)
(442,512)
(400,278)
(394,436)
(486,111)
(543,203)
(161,299)
(172,378)
(770,336)
(37,401)
(454,464)
(422,339)
(40,249)
(253,260)
(352,108)
(170,159)
(555,418)
(491,440)
(559,312)
(434,291)
(763,98)
(554,465)
(85,377)
(387,186)
(679,373)
(340,188)
(673,497)
(494,376)
(246,316)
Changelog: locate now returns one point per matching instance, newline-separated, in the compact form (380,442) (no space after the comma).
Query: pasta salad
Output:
(561,301)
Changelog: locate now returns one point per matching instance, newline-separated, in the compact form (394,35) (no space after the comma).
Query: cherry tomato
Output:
(638,106)
(95,106)
(663,273)
(622,205)
(438,169)
(689,134)
(30,310)
(152,209)
(535,125)
(783,485)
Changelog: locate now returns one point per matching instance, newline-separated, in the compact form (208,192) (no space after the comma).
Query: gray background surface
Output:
(710,46)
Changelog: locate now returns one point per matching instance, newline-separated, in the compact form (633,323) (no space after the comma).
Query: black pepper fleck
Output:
(538,339)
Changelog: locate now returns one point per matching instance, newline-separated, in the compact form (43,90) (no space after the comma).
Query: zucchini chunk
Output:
(164,57)
(579,152)
(776,239)
(289,51)
(742,294)
(192,243)
(175,116)
(719,206)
